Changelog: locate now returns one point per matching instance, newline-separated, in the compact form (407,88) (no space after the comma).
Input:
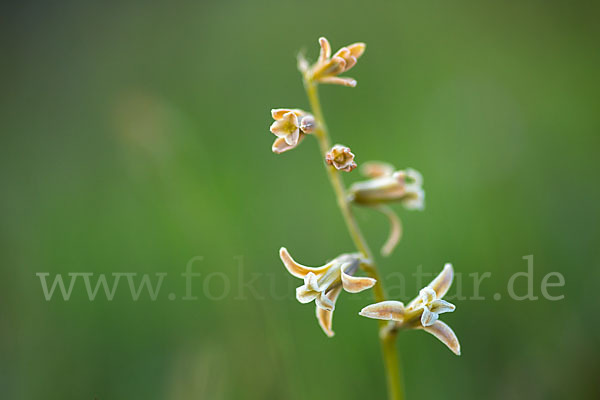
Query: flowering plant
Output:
(385,185)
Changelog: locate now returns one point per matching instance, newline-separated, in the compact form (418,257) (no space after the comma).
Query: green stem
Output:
(388,342)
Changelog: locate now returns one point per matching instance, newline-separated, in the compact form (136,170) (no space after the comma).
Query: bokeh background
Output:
(135,137)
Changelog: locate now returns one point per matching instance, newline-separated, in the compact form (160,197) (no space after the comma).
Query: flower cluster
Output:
(341,158)
(422,312)
(290,126)
(385,186)
(327,68)
(324,284)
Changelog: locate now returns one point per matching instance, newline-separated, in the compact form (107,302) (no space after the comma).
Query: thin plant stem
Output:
(388,341)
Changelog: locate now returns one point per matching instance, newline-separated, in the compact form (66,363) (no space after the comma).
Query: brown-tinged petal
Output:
(344,53)
(336,80)
(278,113)
(350,62)
(341,158)
(281,146)
(299,270)
(442,282)
(395,230)
(325,49)
(385,310)
(376,169)
(357,49)
(446,335)
(355,284)
(325,317)
(335,66)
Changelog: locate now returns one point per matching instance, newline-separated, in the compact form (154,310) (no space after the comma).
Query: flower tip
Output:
(357,49)
(448,268)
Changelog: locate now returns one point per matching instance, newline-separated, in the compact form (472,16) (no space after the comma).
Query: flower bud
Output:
(327,68)
(341,158)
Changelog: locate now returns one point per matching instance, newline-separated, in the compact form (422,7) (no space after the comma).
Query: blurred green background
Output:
(135,137)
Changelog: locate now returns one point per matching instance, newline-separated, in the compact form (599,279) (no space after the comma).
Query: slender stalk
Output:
(388,342)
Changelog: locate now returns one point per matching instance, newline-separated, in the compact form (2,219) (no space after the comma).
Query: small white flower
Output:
(290,126)
(432,306)
(286,127)
(423,312)
(324,284)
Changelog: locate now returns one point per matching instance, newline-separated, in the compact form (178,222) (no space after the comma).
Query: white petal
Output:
(292,138)
(354,284)
(442,306)
(384,310)
(415,198)
(324,302)
(446,335)
(325,317)
(427,295)
(415,177)
(299,270)
(428,317)
(310,280)
(305,295)
(276,129)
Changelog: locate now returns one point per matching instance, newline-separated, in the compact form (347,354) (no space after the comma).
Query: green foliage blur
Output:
(134,137)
